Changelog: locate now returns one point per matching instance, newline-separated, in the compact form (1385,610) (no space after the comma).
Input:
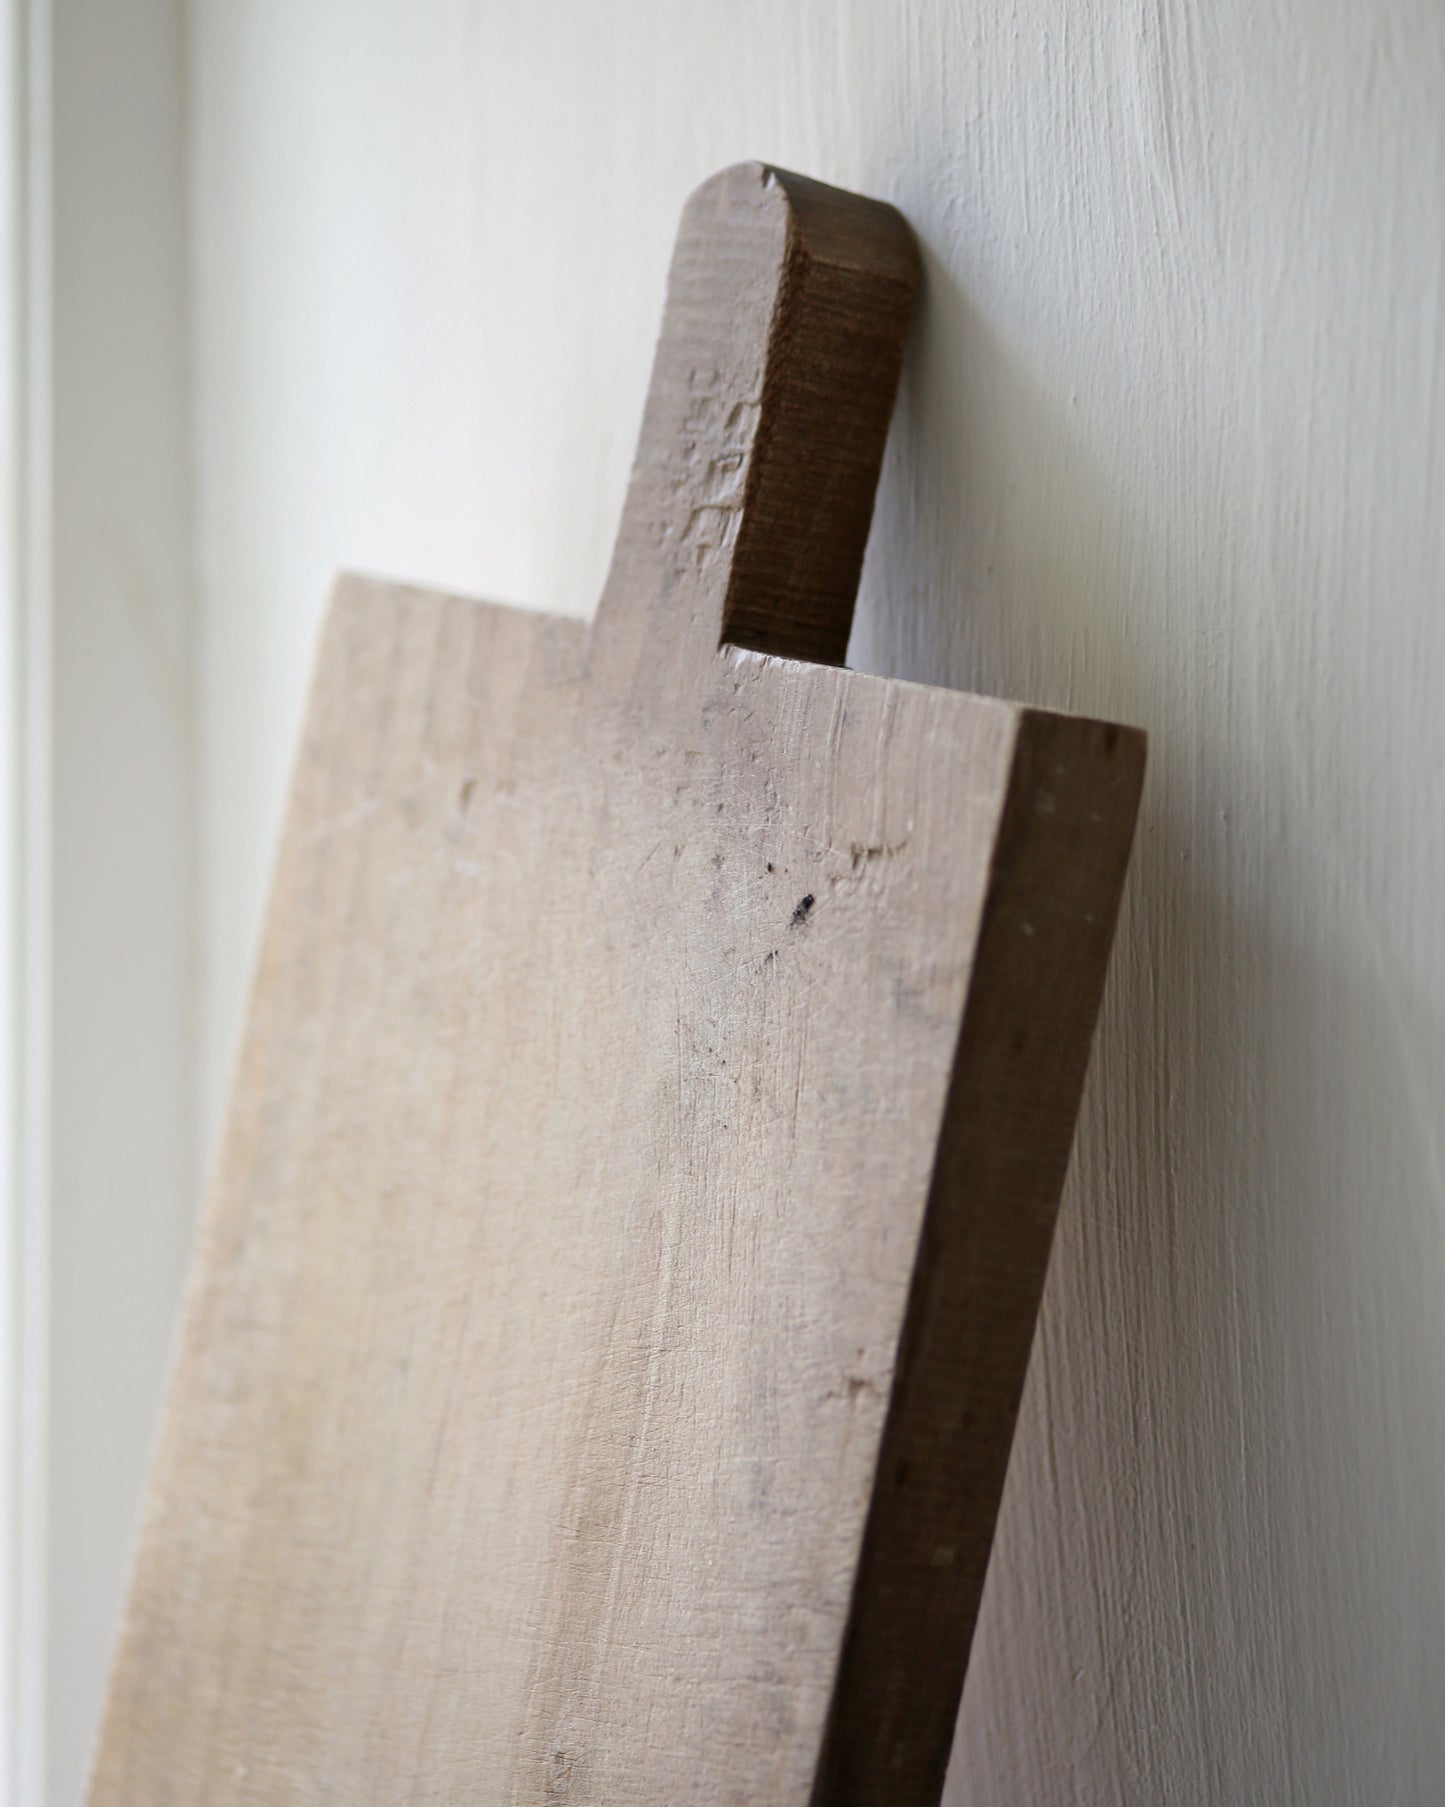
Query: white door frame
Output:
(97,747)
(24,889)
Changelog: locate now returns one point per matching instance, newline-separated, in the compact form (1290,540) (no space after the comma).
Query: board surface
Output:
(609,1315)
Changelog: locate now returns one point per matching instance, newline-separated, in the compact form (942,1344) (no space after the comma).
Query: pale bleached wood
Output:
(609,1316)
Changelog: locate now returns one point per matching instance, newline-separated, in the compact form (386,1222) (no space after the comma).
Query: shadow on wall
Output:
(1214,1524)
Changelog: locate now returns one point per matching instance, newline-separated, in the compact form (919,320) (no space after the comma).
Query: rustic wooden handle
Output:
(788,305)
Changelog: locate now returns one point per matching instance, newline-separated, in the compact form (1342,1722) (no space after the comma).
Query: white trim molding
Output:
(25,991)
(97,744)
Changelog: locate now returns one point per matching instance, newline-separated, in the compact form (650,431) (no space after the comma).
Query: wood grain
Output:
(603,1345)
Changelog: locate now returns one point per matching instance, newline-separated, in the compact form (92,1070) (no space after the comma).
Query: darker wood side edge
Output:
(1048,924)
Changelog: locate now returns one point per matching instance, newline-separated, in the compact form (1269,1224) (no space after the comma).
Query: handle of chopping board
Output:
(751,494)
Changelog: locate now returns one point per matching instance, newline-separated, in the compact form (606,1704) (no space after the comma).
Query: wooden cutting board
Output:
(600,1358)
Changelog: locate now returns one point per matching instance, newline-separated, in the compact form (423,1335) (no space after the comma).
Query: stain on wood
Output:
(602,1349)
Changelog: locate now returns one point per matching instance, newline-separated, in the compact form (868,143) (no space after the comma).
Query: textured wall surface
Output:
(1169,448)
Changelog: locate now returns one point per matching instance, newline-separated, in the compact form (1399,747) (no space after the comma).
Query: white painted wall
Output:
(1170,448)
